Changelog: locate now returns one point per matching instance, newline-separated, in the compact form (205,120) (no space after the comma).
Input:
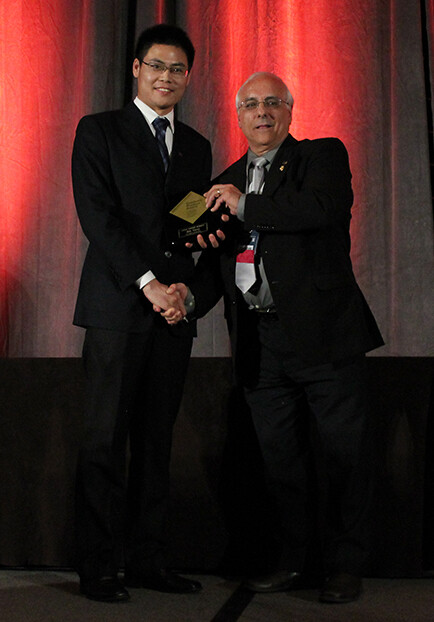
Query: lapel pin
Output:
(283,166)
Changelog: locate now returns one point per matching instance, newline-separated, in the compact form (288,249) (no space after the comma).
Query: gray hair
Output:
(289,97)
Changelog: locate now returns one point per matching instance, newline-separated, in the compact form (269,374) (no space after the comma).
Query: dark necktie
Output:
(160,124)
(245,271)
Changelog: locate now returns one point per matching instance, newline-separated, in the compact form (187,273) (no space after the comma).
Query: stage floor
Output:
(53,596)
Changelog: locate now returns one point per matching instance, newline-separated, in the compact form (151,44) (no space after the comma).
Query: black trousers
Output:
(134,388)
(287,398)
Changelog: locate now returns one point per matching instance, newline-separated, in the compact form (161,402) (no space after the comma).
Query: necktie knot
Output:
(259,162)
(161,124)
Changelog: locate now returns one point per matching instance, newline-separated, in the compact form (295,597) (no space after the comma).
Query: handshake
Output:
(168,301)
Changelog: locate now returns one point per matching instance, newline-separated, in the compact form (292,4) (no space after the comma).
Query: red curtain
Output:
(57,61)
(356,70)
(42,79)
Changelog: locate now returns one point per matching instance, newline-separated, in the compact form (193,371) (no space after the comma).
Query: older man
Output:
(299,328)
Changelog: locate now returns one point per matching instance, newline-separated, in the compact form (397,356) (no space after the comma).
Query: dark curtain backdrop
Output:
(358,69)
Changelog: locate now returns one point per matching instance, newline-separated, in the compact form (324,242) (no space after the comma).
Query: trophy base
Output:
(179,236)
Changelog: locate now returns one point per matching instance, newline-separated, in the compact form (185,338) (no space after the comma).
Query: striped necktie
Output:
(245,271)
(161,124)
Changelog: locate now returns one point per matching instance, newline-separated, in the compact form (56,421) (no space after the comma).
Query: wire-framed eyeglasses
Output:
(177,71)
(269,103)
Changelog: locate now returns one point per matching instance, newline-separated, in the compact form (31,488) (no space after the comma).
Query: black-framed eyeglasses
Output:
(269,102)
(177,71)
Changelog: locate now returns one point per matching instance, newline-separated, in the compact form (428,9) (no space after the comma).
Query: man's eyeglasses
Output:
(177,71)
(269,102)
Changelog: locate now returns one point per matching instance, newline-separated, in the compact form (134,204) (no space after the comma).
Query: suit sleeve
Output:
(207,284)
(317,196)
(98,207)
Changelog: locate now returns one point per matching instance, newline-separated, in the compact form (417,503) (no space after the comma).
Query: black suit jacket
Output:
(122,196)
(303,217)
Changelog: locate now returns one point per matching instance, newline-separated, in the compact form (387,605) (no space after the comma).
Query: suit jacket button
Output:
(168,254)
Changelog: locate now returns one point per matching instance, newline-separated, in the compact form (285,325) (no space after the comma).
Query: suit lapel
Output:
(240,174)
(235,174)
(177,157)
(137,126)
(281,164)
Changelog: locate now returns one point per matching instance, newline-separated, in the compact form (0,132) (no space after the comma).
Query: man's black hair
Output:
(166,35)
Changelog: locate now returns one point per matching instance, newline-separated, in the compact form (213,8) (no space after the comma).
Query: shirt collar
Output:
(269,155)
(150,114)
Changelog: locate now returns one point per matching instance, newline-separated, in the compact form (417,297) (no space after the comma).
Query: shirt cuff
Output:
(145,279)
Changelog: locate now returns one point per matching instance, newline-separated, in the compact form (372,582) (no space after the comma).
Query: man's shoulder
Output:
(112,125)
(308,145)
(108,117)
(234,170)
(185,131)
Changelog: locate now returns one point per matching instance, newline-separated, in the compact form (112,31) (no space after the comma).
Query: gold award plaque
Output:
(190,208)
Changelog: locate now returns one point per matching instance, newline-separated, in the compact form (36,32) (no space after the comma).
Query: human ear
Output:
(136,67)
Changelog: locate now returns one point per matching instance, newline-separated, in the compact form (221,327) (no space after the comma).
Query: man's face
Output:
(161,90)
(265,128)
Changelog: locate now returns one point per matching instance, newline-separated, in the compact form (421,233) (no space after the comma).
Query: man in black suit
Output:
(130,167)
(299,328)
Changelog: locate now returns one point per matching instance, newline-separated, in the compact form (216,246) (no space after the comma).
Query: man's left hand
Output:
(214,240)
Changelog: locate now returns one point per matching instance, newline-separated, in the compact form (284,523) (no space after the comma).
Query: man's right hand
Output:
(221,195)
